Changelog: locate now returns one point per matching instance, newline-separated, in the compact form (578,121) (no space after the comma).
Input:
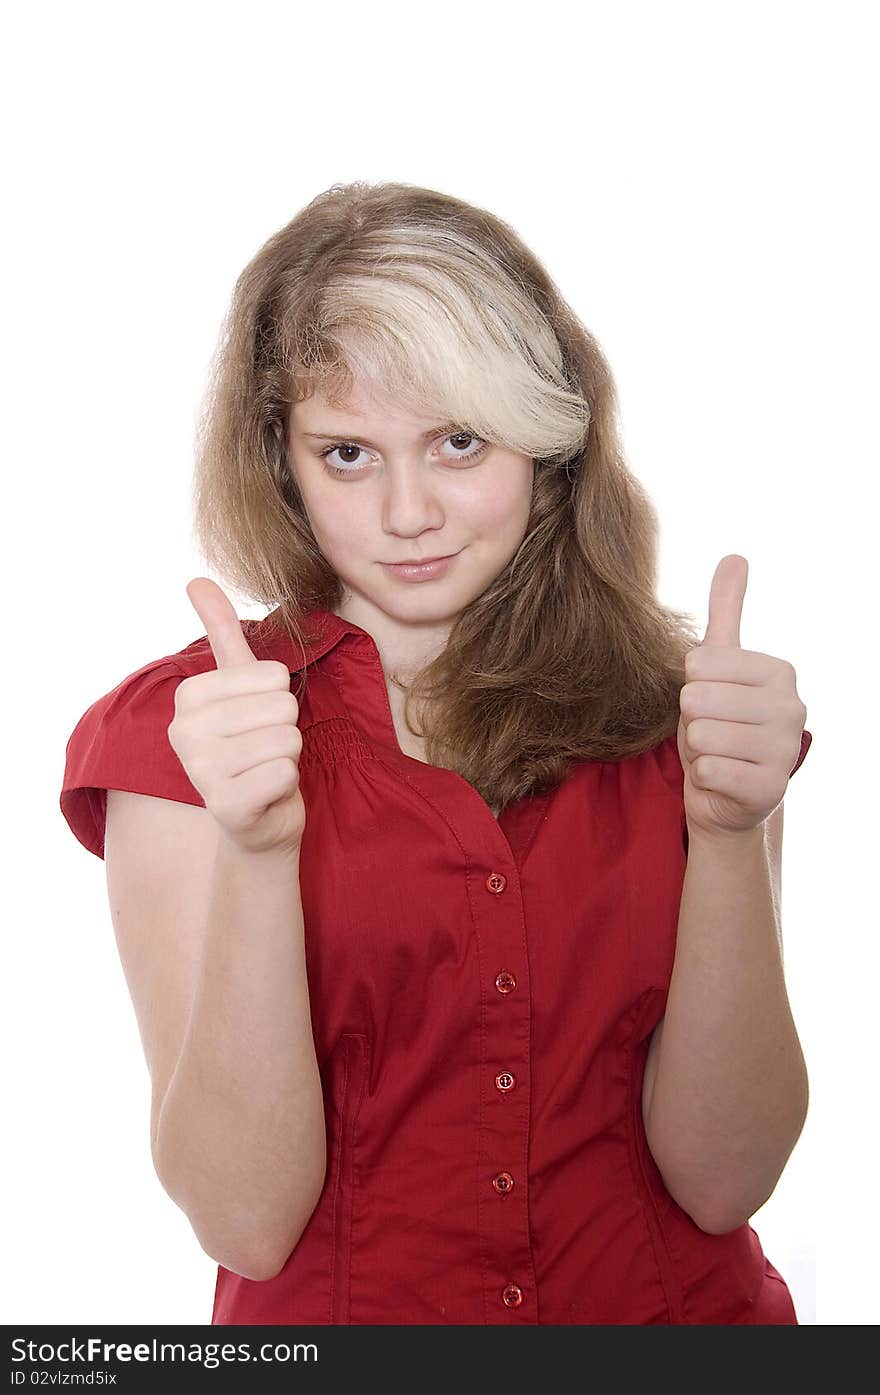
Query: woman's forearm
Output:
(240,1141)
(730,1093)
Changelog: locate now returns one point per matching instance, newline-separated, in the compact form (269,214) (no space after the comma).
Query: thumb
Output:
(222,625)
(726,601)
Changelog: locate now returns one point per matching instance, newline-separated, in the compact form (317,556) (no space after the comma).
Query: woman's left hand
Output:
(741,719)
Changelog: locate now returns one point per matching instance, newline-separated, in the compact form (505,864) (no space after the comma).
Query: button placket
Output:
(507,1127)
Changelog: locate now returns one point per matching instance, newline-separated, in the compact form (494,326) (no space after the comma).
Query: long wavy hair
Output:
(436,306)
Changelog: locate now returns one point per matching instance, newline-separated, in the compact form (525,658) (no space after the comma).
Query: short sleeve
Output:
(121,742)
(806,742)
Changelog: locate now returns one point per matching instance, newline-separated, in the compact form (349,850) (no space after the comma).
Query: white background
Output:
(700,180)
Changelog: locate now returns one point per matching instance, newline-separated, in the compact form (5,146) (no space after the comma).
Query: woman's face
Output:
(406,488)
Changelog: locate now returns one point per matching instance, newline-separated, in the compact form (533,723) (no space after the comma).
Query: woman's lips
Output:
(420,571)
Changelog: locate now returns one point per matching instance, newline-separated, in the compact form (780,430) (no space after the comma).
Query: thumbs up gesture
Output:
(235,733)
(741,719)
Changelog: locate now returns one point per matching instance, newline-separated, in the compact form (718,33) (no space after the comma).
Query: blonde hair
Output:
(436,306)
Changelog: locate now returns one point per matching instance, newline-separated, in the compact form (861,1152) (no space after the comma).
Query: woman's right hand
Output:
(235,733)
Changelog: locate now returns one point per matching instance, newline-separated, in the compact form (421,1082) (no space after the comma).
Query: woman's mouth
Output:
(420,571)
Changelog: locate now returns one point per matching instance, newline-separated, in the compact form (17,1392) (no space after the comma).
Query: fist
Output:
(235,733)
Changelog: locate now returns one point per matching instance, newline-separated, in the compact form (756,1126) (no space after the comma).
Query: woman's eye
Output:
(459,453)
(331,450)
(468,452)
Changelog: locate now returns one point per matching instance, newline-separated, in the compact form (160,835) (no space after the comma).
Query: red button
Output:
(503,1182)
(505,982)
(496,882)
(505,1080)
(512,1295)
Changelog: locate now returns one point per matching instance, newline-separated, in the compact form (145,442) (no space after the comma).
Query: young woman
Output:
(448,893)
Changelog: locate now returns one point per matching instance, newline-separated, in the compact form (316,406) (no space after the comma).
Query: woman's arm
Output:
(240,1139)
(730,1093)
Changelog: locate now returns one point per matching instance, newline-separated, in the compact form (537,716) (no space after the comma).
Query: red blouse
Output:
(483,993)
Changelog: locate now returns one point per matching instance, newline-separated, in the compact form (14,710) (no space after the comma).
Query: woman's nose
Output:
(410,500)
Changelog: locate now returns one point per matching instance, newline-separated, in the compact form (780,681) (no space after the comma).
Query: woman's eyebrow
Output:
(362,441)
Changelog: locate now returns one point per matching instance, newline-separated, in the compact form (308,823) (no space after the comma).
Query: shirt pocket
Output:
(348,1078)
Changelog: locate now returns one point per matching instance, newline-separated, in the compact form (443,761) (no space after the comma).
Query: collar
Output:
(322,631)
